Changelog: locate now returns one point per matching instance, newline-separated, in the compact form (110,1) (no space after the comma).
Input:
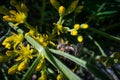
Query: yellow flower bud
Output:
(41,39)
(71,7)
(76,26)
(9,53)
(74,32)
(61,11)
(13,12)
(13,69)
(22,65)
(59,27)
(40,64)
(84,26)
(43,76)
(55,4)
(80,38)
(44,44)
(60,77)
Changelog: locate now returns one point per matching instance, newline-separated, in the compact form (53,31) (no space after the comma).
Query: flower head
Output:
(13,41)
(61,11)
(13,69)
(74,32)
(24,52)
(18,16)
(76,26)
(84,26)
(80,38)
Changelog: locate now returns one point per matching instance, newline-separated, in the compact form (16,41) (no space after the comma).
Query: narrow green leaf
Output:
(73,58)
(97,72)
(66,71)
(55,4)
(97,44)
(29,72)
(33,66)
(106,13)
(4,10)
(71,7)
(117,39)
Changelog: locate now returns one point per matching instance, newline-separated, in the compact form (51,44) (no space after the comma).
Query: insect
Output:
(74,50)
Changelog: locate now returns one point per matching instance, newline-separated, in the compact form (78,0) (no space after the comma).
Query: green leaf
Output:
(93,69)
(29,72)
(55,4)
(73,58)
(50,58)
(106,13)
(97,44)
(4,10)
(33,66)
(71,7)
(59,65)
(114,38)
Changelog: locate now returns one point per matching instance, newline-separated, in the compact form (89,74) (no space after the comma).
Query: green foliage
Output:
(48,32)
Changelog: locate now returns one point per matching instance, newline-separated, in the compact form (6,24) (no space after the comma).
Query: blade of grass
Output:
(117,39)
(29,72)
(33,66)
(15,28)
(66,71)
(73,58)
(97,44)
(106,13)
(91,67)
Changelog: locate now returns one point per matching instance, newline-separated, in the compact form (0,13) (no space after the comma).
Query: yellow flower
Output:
(40,64)
(18,17)
(61,11)
(13,69)
(84,26)
(45,44)
(60,77)
(76,26)
(23,65)
(74,32)
(43,76)
(24,52)
(12,41)
(41,39)
(80,38)
(59,27)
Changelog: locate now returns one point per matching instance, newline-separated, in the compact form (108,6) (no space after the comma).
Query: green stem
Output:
(42,14)
(60,20)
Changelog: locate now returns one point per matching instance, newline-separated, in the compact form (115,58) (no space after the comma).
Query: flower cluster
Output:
(23,52)
(14,16)
(13,40)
